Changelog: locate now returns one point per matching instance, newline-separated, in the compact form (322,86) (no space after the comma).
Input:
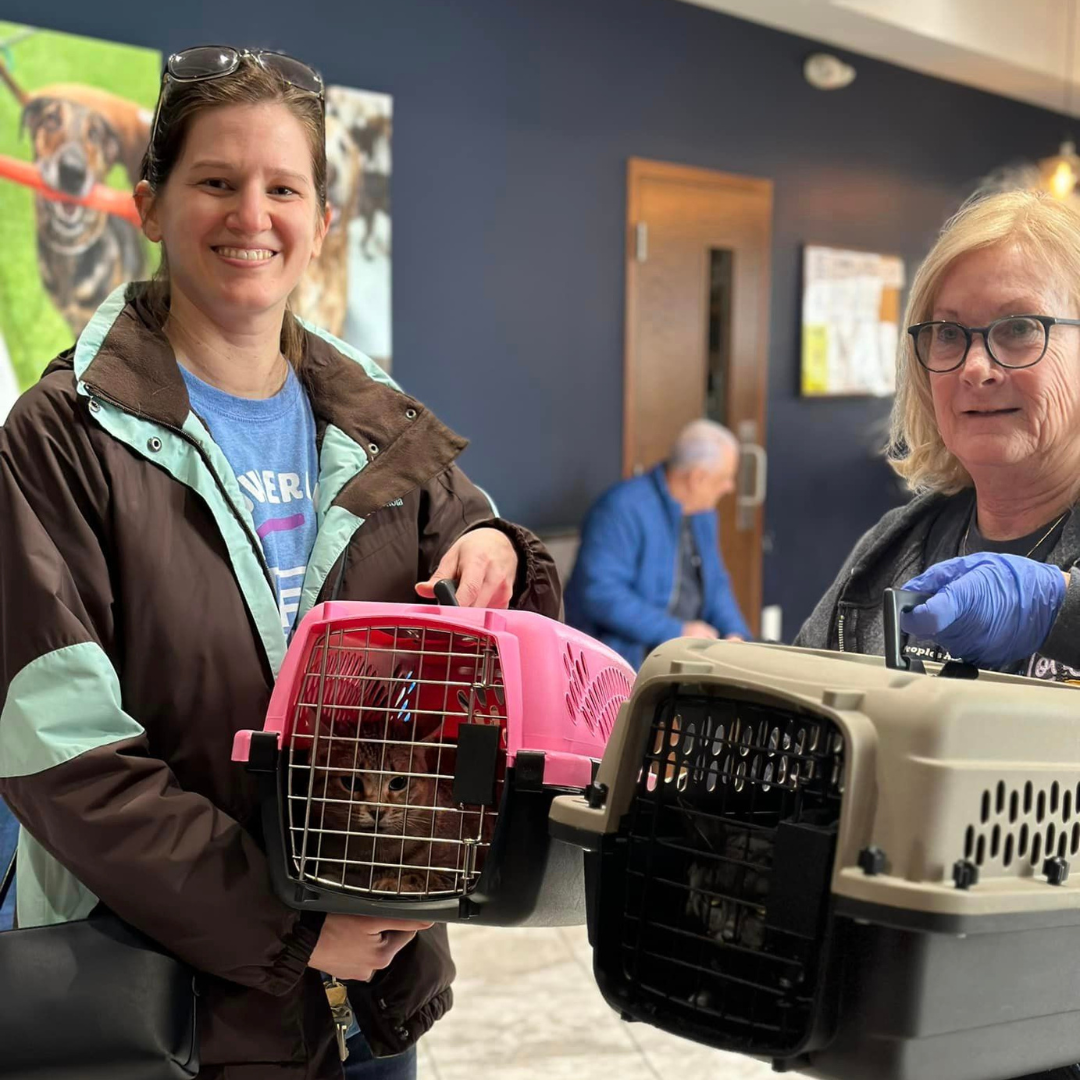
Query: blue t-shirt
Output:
(270,445)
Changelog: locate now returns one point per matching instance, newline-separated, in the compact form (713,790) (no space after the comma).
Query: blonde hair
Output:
(1043,227)
(180,103)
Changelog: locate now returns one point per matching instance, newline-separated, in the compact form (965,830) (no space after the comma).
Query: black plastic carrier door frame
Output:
(477,764)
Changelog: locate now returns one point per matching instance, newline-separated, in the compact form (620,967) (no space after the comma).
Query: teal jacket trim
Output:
(47,893)
(97,330)
(373,370)
(58,707)
(335,531)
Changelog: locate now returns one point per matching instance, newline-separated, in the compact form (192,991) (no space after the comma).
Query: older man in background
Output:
(649,568)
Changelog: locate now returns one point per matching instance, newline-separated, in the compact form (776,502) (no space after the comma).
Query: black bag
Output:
(93,1000)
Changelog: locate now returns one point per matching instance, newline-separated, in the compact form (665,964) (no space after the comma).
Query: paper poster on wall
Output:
(347,289)
(850,322)
(75,118)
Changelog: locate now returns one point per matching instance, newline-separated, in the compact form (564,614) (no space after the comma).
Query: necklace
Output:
(1034,547)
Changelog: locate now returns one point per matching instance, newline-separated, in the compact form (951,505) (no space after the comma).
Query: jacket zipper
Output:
(840,631)
(252,538)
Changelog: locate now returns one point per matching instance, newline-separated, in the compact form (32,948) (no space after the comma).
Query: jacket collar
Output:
(673,507)
(124,358)
(676,513)
(897,548)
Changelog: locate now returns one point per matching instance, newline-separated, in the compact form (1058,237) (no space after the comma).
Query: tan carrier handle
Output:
(897,601)
(901,600)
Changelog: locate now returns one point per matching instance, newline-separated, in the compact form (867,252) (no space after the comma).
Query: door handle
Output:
(761,473)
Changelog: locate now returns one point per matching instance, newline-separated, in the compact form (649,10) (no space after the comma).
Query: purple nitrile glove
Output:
(989,609)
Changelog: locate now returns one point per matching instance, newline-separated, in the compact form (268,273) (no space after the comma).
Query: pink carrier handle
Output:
(446,592)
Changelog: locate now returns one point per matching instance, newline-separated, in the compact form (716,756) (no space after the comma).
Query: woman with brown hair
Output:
(177,491)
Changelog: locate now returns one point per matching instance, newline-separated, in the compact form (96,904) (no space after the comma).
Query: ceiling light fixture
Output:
(823,71)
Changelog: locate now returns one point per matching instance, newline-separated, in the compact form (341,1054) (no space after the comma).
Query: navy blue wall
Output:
(513,123)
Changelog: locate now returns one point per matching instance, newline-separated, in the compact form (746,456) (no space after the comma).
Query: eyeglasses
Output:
(1014,341)
(217,61)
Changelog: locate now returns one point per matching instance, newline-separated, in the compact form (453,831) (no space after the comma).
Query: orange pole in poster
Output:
(100,197)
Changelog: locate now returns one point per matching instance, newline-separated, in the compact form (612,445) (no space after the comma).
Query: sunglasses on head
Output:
(217,61)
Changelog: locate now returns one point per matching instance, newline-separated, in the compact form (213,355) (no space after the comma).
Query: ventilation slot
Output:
(594,700)
(1018,826)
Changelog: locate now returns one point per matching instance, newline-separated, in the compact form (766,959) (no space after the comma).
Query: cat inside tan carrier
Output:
(850,869)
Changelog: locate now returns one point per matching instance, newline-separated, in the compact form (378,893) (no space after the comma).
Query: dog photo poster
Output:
(347,289)
(75,117)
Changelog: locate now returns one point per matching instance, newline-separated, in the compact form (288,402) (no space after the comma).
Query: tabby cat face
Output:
(384,820)
(376,787)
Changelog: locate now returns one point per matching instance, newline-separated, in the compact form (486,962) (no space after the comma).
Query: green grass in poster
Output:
(32,328)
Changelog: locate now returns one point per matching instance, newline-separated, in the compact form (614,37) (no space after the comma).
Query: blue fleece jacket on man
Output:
(626,575)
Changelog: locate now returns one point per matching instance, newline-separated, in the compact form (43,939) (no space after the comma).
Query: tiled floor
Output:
(526,1008)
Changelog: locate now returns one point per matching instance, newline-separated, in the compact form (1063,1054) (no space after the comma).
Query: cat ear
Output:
(435,735)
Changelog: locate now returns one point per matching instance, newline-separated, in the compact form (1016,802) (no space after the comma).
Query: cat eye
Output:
(348,783)
(398,783)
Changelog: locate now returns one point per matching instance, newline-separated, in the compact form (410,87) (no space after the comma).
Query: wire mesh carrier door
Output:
(852,869)
(410,755)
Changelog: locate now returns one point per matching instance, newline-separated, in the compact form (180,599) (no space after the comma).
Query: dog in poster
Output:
(373,138)
(78,134)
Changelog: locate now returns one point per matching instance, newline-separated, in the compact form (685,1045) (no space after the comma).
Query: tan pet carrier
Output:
(853,870)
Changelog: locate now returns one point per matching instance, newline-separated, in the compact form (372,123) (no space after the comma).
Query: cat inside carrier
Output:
(848,868)
(411,753)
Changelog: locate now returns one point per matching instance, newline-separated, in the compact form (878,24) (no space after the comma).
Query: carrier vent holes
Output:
(593,698)
(1019,826)
(370,764)
(740,749)
(718,779)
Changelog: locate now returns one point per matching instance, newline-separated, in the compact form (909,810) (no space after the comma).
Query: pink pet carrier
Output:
(411,753)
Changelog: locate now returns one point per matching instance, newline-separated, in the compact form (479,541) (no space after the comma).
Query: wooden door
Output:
(697,306)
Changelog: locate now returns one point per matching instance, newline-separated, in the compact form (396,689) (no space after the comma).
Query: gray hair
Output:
(701,442)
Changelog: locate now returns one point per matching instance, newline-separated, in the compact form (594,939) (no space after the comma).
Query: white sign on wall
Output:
(850,322)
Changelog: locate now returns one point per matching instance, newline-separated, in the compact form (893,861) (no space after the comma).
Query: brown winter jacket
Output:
(139,630)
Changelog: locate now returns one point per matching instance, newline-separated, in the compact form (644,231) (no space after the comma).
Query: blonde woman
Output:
(986,432)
